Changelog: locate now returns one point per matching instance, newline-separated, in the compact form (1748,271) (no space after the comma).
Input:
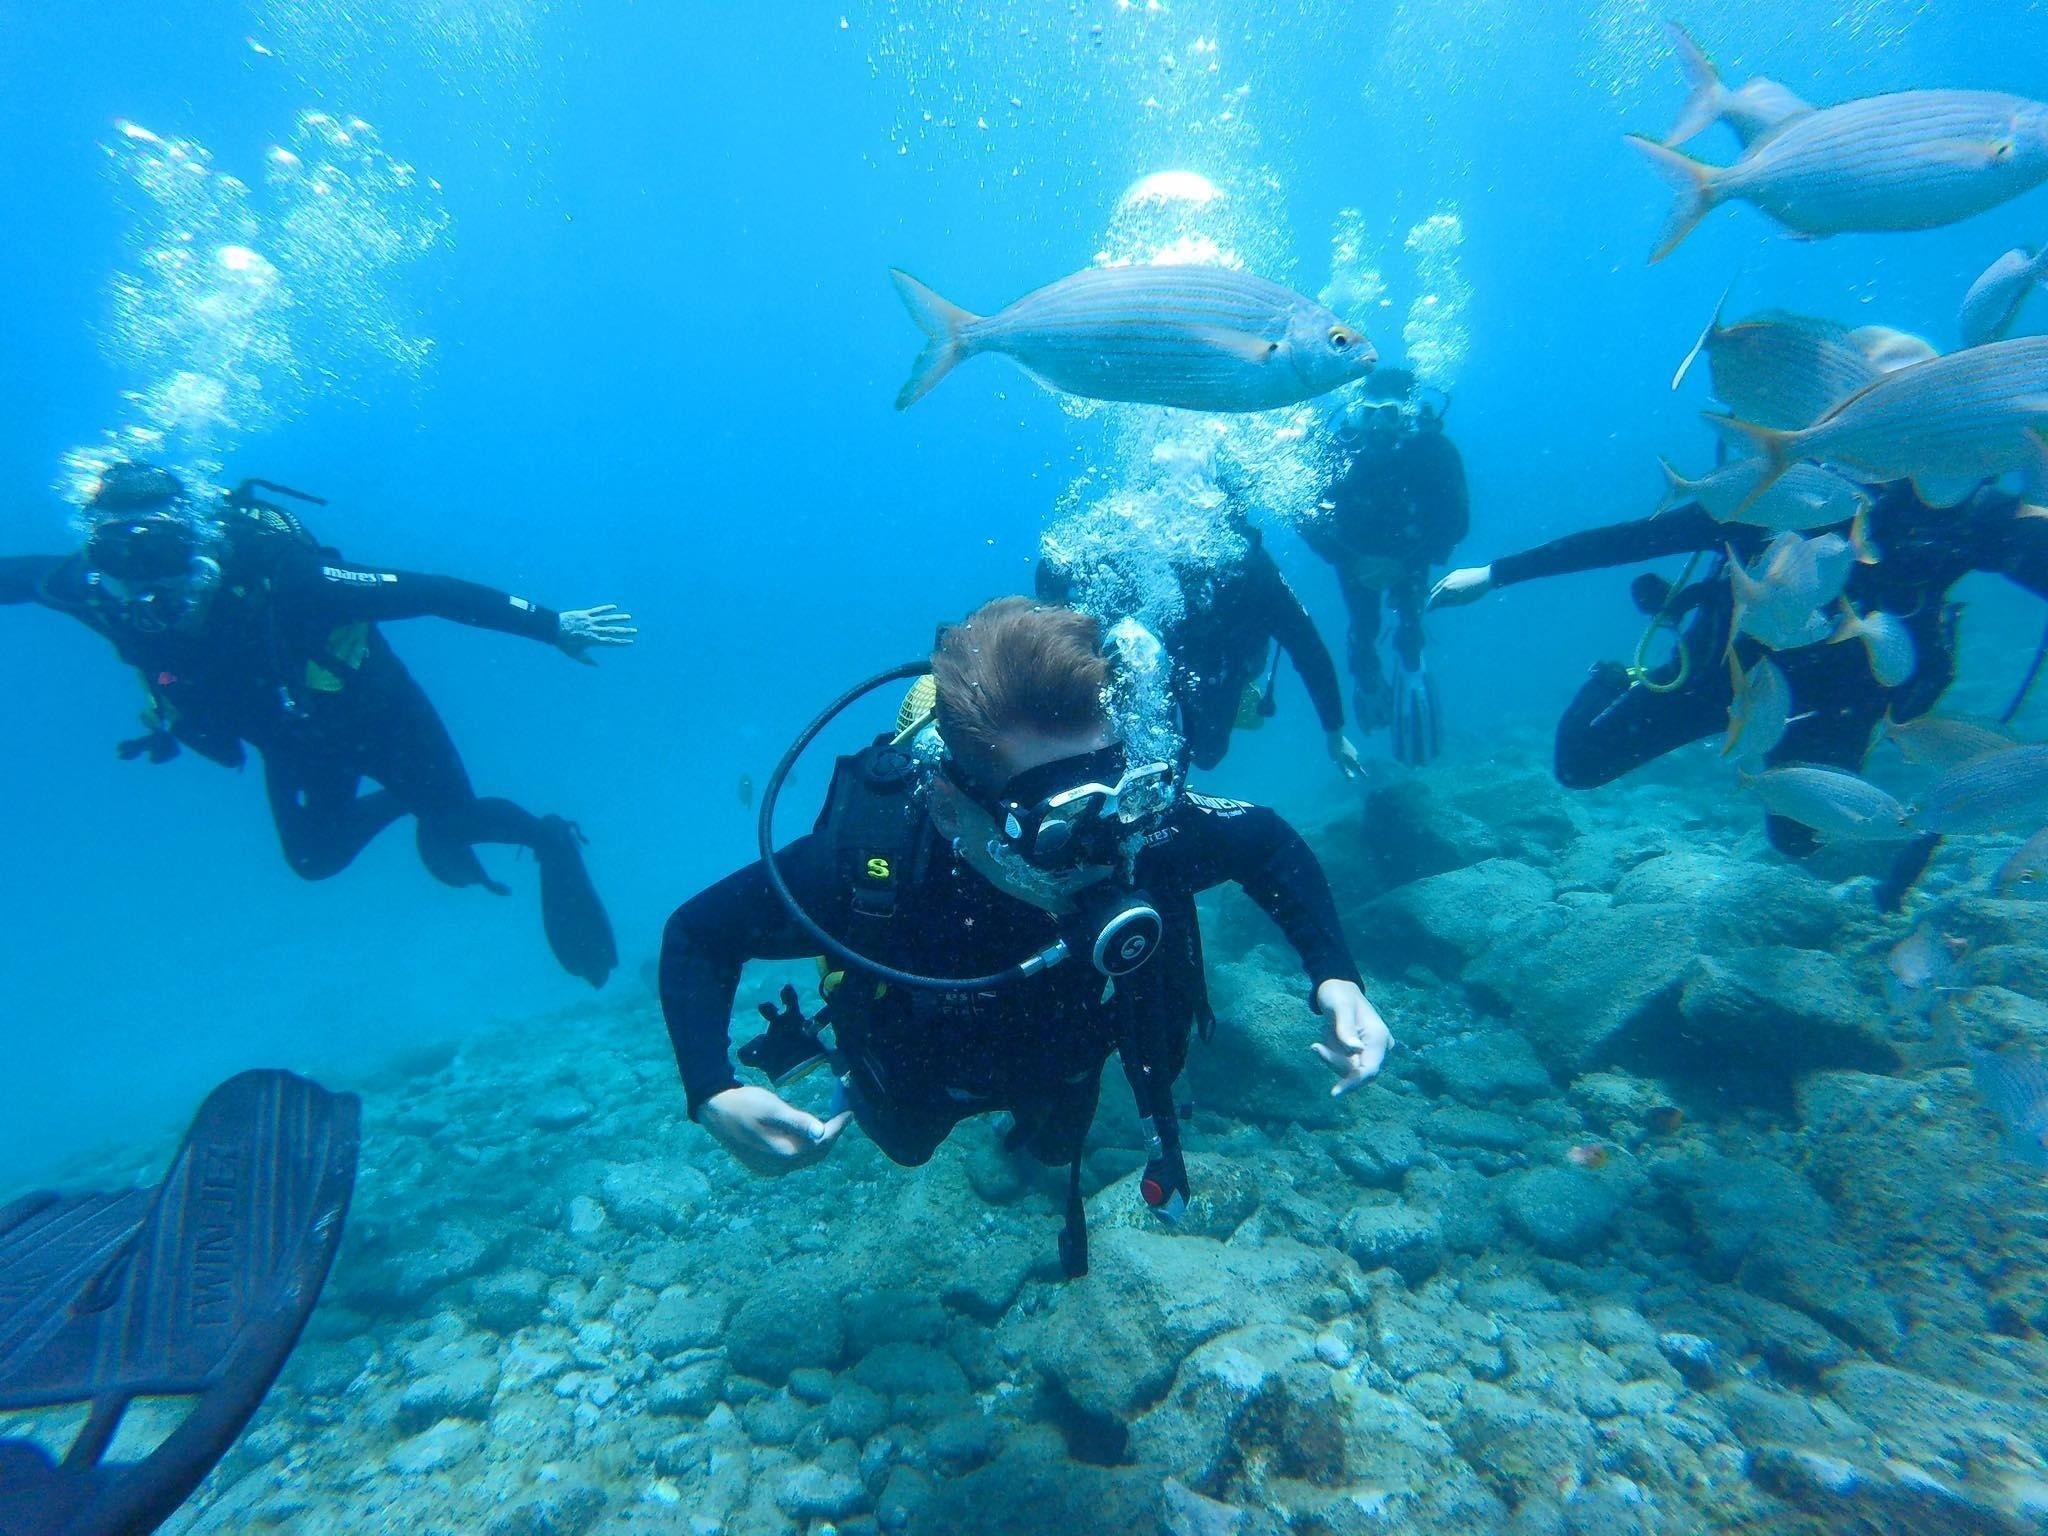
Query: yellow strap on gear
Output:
(1251,713)
(346,648)
(1663,619)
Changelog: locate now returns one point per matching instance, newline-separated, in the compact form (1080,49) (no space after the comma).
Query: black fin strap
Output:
(1074,1235)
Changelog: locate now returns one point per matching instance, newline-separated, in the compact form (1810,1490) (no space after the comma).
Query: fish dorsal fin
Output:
(1707,334)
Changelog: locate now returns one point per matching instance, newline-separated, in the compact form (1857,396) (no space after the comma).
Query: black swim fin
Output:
(578,931)
(196,1289)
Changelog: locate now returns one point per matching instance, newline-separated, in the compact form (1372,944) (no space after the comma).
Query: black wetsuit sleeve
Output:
(1226,840)
(1679,531)
(716,932)
(26,578)
(325,591)
(2008,539)
(1291,625)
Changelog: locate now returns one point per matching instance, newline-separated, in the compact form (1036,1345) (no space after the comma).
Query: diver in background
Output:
(1004,823)
(1623,717)
(1231,618)
(246,630)
(1397,507)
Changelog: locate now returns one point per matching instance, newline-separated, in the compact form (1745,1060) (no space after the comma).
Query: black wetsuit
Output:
(1401,503)
(1221,646)
(1613,726)
(919,1062)
(287,658)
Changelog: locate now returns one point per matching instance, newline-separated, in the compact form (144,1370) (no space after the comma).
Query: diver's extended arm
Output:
(331,592)
(2009,538)
(25,578)
(713,934)
(1680,531)
(1291,625)
(1252,846)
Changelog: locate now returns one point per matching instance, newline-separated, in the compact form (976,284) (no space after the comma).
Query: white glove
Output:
(1461,587)
(579,629)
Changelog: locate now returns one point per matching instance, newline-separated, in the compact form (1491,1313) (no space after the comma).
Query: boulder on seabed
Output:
(1444,921)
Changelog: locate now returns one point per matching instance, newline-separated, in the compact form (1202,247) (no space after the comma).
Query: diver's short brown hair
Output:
(1015,664)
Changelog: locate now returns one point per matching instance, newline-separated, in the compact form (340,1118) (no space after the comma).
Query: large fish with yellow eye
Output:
(1198,337)
(1908,160)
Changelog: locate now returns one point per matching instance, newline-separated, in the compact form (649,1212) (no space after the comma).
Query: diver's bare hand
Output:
(577,630)
(764,1134)
(1345,755)
(1355,1039)
(1462,586)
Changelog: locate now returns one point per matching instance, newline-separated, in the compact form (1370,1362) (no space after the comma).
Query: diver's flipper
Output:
(197,1290)
(578,931)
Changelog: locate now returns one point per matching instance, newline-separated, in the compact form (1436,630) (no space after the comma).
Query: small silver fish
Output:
(1778,600)
(1752,110)
(2014,1087)
(1893,656)
(1994,300)
(1921,967)
(1838,806)
(2003,792)
(1892,349)
(1781,370)
(1198,337)
(2024,876)
(1948,424)
(1944,741)
(1805,497)
(1761,710)
(1908,160)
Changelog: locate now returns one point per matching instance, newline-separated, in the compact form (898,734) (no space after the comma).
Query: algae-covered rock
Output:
(1730,1203)
(1825,1280)
(461,1390)
(1405,1238)
(1031,1488)
(1565,1212)
(1112,1344)
(1572,989)
(1413,831)
(790,1318)
(1483,1066)
(1520,1444)
(436,1449)
(683,1320)
(1258,1067)
(1773,1008)
(1444,921)
(1253,1396)
(1738,903)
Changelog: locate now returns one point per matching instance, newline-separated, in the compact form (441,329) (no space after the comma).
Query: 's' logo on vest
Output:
(878,869)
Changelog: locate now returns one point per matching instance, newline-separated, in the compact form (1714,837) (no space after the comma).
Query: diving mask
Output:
(151,566)
(1080,810)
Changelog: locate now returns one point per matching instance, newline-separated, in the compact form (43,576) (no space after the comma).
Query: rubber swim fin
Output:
(578,931)
(196,1289)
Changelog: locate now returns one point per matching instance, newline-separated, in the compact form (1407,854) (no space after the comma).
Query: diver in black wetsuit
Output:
(1011,822)
(1398,506)
(246,630)
(1620,720)
(1230,621)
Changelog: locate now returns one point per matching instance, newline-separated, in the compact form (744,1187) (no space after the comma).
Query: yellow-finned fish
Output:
(1761,710)
(1752,111)
(1778,369)
(1908,160)
(1198,337)
(1947,424)
(1839,807)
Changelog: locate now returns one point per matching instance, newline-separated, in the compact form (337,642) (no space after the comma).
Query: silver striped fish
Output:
(1947,424)
(1994,300)
(1909,160)
(1198,337)
(1999,792)
(1778,369)
(1752,110)
(1839,807)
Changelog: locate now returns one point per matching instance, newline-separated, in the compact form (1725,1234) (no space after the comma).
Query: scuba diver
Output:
(246,630)
(1626,715)
(1232,619)
(1006,897)
(1397,507)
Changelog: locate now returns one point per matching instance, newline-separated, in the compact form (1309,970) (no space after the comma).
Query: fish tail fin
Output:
(1691,181)
(1859,535)
(1849,627)
(942,322)
(1738,712)
(1677,489)
(1707,334)
(1743,591)
(1706,97)
(1775,447)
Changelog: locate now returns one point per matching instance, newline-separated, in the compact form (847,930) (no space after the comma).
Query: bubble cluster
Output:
(236,307)
(1438,332)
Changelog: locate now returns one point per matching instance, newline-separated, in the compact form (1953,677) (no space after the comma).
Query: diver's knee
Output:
(313,864)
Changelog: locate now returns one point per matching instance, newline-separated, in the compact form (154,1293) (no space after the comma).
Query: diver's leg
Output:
(1208,716)
(1370,699)
(415,758)
(907,1134)
(1053,1126)
(322,823)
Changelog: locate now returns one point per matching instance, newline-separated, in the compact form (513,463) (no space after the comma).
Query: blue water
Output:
(663,354)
